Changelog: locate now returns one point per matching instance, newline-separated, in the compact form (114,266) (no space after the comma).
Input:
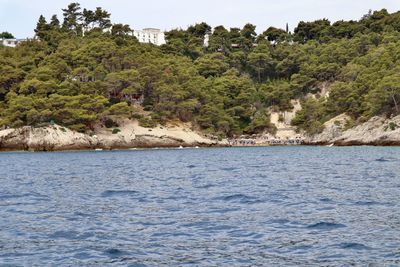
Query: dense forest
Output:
(85,70)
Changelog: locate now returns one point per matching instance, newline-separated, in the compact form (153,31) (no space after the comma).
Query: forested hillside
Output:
(85,70)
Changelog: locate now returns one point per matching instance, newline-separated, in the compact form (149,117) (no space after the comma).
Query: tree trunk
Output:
(395,103)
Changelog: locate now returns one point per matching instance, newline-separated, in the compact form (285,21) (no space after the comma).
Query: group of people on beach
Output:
(265,140)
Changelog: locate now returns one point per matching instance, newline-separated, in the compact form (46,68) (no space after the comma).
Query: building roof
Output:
(151,30)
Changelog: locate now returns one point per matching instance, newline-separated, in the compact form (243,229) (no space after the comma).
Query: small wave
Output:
(71,235)
(171,234)
(240,198)
(229,168)
(302,248)
(222,211)
(137,265)
(355,246)
(367,203)
(326,226)
(65,235)
(236,197)
(80,214)
(325,199)
(191,166)
(343,164)
(241,234)
(114,252)
(326,208)
(82,256)
(383,159)
(116,193)
(206,186)
(279,221)
(36,196)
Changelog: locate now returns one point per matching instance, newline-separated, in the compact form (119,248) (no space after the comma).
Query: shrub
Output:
(109,123)
(137,116)
(78,127)
(349,124)
(147,122)
(281,118)
(115,131)
(392,126)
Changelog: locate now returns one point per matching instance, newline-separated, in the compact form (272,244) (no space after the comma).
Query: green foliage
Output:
(6,35)
(147,122)
(315,30)
(261,62)
(393,126)
(109,123)
(212,65)
(261,123)
(310,117)
(115,131)
(273,34)
(86,70)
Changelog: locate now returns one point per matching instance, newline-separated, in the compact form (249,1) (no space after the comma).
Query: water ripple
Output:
(277,206)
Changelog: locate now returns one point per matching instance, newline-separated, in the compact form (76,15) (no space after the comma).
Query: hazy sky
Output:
(20,16)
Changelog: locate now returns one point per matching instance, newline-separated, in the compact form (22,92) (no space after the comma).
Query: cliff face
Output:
(44,139)
(131,135)
(378,131)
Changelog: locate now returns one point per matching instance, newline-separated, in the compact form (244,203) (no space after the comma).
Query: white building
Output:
(150,35)
(11,42)
(206,40)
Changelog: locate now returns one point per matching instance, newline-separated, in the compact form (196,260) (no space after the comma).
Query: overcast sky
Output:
(20,16)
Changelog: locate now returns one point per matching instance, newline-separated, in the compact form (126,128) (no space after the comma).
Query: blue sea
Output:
(273,206)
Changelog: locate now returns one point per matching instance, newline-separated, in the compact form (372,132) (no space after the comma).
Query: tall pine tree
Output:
(41,28)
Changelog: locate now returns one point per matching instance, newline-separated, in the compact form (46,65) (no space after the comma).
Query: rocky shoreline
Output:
(378,131)
(130,135)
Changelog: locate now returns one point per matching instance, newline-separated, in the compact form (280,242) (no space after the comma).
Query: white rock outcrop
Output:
(131,135)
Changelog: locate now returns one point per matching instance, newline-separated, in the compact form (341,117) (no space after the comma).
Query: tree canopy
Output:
(86,69)
(6,35)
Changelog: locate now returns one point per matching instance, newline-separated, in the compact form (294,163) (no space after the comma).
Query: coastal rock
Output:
(378,131)
(130,135)
(334,128)
(48,138)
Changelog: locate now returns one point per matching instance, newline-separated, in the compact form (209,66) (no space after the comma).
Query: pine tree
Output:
(88,18)
(72,18)
(54,22)
(41,28)
(102,17)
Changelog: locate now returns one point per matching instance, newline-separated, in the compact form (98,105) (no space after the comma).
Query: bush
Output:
(78,127)
(109,123)
(120,109)
(261,123)
(147,122)
(315,127)
(310,118)
(349,124)
(281,118)
(115,131)
(137,116)
(392,126)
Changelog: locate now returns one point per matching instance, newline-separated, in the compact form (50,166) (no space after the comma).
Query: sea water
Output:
(273,206)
